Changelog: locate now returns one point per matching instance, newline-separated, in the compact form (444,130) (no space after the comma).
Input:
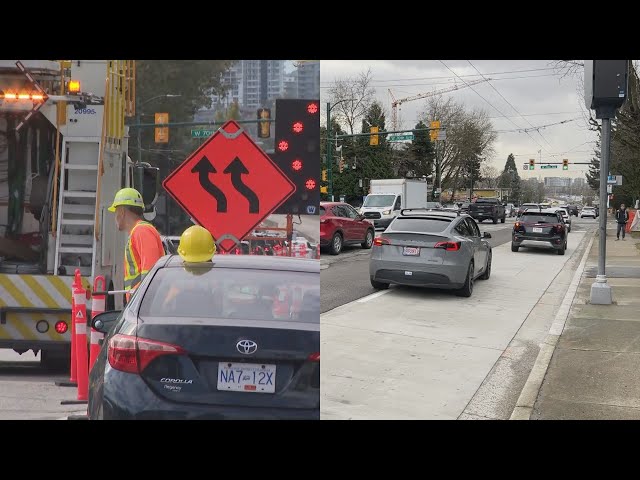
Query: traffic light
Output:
(532,164)
(373,139)
(297,153)
(324,174)
(565,164)
(264,128)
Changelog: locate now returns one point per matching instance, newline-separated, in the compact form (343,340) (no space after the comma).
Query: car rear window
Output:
(227,293)
(539,218)
(421,225)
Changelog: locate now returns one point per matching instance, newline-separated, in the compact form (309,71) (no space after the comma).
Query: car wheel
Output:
(563,249)
(495,220)
(514,248)
(502,219)
(467,289)
(487,270)
(336,244)
(368,240)
(378,285)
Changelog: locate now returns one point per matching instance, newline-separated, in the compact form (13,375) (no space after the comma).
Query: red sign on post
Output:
(229,185)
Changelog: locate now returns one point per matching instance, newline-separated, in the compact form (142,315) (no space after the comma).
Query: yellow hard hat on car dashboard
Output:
(196,245)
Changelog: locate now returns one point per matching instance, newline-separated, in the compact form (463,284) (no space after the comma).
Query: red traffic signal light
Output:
(310,184)
(283,146)
(296,165)
(312,108)
(298,127)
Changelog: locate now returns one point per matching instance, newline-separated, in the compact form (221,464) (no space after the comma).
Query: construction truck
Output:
(63,155)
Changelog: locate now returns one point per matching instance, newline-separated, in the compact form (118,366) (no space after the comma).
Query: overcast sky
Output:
(535,95)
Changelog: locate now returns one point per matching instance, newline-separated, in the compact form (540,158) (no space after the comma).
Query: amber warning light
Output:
(74,86)
(34,97)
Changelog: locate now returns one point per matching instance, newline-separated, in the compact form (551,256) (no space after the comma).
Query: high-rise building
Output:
(557,182)
(246,83)
(309,80)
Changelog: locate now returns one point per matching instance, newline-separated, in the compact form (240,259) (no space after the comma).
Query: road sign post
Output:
(229,185)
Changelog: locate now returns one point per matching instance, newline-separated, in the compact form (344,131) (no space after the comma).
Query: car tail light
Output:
(130,354)
(558,228)
(379,241)
(448,246)
(61,327)
(314,357)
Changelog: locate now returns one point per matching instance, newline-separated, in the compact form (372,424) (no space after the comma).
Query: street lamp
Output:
(139,121)
(329,157)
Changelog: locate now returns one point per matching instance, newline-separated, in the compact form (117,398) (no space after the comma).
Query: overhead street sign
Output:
(399,138)
(229,185)
(548,166)
(201,133)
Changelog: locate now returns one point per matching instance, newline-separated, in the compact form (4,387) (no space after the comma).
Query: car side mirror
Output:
(103,322)
(486,235)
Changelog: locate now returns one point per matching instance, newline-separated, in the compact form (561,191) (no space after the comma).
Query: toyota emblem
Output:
(247,347)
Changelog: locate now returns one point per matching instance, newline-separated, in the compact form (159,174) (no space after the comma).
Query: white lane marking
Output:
(371,297)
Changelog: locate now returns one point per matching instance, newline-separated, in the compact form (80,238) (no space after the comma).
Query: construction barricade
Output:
(98,302)
(632,215)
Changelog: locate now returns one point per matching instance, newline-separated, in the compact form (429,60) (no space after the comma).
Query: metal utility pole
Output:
(605,86)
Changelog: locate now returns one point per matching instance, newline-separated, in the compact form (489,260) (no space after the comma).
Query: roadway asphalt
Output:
(410,353)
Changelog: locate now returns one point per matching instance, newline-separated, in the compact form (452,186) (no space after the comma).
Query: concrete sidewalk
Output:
(593,371)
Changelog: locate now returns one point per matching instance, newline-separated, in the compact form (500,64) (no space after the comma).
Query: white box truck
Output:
(388,196)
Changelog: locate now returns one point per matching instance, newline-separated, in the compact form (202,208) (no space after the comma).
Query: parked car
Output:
(540,228)
(588,212)
(236,338)
(341,224)
(437,249)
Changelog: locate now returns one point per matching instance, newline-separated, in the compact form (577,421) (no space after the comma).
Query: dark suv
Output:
(540,228)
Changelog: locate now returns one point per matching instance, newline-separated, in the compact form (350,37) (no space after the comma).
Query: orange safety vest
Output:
(143,250)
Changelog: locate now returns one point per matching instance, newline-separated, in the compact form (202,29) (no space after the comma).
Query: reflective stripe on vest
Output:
(132,273)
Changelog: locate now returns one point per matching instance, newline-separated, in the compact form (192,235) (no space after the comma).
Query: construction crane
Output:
(396,103)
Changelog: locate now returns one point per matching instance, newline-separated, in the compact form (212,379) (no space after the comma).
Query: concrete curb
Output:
(529,394)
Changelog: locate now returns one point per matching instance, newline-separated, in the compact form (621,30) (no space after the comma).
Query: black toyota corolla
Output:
(235,338)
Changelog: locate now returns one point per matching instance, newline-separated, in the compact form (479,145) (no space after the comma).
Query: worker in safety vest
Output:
(144,246)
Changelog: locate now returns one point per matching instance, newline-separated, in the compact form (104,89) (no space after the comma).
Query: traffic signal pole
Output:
(329,156)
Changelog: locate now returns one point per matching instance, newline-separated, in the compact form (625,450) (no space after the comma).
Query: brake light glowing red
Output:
(379,241)
(314,357)
(61,327)
(448,246)
(131,354)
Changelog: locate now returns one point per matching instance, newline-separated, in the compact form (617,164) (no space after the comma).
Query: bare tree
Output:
(469,134)
(355,95)
(490,175)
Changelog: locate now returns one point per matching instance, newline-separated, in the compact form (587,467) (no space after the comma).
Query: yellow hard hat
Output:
(127,196)
(196,245)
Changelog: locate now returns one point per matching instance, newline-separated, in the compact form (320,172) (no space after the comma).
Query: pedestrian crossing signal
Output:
(565,164)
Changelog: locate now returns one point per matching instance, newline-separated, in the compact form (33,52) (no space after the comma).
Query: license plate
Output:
(411,251)
(537,230)
(247,377)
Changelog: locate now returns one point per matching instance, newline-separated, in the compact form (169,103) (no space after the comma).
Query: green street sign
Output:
(400,138)
(548,166)
(201,133)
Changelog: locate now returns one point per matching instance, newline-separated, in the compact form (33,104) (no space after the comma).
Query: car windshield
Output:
(379,201)
(420,225)
(539,218)
(227,293)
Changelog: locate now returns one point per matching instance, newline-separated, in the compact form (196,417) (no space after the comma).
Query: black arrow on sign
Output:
(236,168)
(203,169)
